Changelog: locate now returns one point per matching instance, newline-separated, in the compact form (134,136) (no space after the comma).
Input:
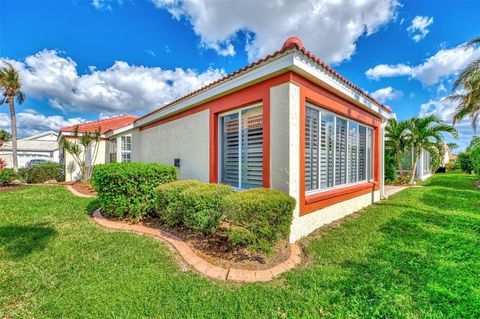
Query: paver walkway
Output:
(393,189)
(201,265)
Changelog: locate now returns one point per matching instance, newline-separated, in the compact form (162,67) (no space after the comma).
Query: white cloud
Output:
(387,94)
(330,29)
(445,109)
(418,28)
(30,122)
(105,4)
(122,88)
(442,64)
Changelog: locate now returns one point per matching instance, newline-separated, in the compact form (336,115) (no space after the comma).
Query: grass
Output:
(414,256)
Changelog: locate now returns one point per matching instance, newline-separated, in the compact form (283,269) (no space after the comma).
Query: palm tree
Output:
(396,139)
(425,134)
(11,85)
(469,98)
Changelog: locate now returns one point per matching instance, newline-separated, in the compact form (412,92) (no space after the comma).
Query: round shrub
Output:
(7,176)
(40,173)
(259,217)
(168,198)
(200,206)
(128,189)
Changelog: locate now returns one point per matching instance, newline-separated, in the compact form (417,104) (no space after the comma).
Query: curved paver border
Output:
(198,263)
(77,193)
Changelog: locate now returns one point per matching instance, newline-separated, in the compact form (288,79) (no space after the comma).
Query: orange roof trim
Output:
(290,43)
(105,125)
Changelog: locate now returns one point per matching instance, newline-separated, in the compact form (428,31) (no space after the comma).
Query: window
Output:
(113,150)
(126,148)
(242,148)
(338,151)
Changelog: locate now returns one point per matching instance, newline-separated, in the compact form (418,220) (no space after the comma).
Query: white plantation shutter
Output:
(242,148)
(327,148)
(311,149)
(340,151)
(362,153)
(230,147)
(252,148)
(352,152)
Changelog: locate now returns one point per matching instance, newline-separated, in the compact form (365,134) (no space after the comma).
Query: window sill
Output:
(313,198)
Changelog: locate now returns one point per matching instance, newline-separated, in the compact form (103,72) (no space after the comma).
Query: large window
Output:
(338,151)
(241,148)
(126,148)
(426,162)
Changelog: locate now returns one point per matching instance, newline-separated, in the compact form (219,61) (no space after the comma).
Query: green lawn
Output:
(416,255)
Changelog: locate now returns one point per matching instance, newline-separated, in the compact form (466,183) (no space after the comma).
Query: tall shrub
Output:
(7,176)
(390,166)
(128,189)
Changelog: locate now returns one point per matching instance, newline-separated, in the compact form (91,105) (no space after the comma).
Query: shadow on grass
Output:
(20,241)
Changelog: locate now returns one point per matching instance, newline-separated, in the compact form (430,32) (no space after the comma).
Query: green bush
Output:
(22,174)
(168,197)
(465,162)
(40,173)
(128,189)
(390,166)
(7,176)
(450,166)
(475,159)
(259,217)
(200,206)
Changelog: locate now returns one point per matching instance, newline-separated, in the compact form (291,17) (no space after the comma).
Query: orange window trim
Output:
(316,95)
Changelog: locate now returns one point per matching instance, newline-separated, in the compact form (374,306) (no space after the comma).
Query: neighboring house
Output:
(287,121)
(40,146)
(114,145)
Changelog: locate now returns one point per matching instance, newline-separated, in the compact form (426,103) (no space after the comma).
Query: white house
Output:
(40,146)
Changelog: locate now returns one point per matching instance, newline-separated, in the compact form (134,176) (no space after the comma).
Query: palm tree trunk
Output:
(399,163)
(14,132)
(414,166)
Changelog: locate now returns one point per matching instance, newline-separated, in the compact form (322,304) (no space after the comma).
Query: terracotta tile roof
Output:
(291,43)
(105,125)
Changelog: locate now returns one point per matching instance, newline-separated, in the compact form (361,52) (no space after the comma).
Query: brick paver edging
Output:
(198,263)
(77,193)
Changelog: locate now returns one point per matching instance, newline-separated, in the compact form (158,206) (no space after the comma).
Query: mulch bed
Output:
(217,250)
(85,189)
(10,188)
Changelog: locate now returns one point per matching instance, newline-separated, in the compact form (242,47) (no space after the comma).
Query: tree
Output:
(11,85)
(4,137)
(79,150)
(466,91)
(425,134)
(452,146)
(396,139)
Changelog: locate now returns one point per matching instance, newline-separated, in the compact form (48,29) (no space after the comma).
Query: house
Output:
(287,121)
(40,146)
(114,144)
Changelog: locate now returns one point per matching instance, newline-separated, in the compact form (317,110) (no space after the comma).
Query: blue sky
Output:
(81,60)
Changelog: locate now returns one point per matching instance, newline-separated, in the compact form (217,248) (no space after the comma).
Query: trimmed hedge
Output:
(192,204)
(201,206)
(259,217)
(168,197)
(7,176)
(128,189)
(40,173)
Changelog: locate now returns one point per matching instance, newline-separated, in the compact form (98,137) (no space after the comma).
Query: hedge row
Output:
(7,176)
(256,218)
(40,173)
(128,189)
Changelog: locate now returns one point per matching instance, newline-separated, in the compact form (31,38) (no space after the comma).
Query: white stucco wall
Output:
(304,225)
(187,138)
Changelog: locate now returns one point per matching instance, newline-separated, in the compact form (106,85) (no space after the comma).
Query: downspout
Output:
(382,159)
